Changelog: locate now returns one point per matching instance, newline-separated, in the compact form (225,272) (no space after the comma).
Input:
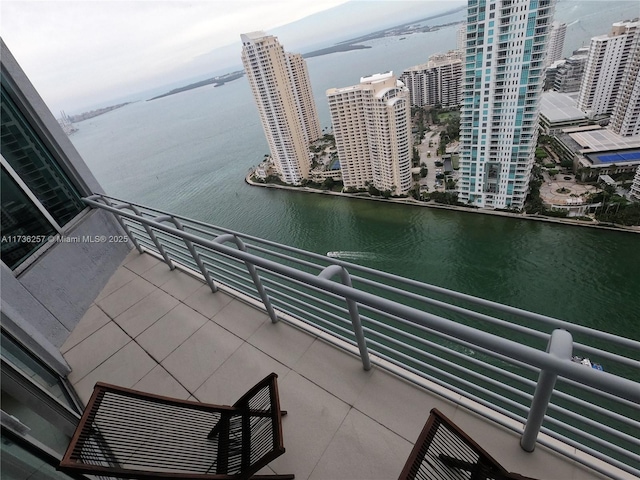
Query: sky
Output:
(79,52)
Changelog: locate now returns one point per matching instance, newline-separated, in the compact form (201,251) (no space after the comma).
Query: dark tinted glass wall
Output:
(35,165)
(25,227)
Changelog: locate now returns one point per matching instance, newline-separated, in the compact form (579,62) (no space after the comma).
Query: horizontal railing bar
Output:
(595,408)
(304,295)
(461,356)
(448,363)
(453,388)
(591,423)
(283,256)
(619,386)
(556,323)
(592,438)
(301,318)
(219,268)
(600,393)
(460,310)
(463,343)
(272,281)
(453,340)
(277,296)
(590,451)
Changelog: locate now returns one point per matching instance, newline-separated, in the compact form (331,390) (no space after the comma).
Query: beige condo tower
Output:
(371,124)
(282,91)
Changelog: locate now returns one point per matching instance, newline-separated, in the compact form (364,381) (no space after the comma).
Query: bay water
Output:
(189,153)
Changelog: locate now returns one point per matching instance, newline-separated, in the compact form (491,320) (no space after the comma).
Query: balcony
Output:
(362,356)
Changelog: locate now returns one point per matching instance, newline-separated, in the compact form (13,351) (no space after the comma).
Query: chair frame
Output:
(72,463)
(486,468)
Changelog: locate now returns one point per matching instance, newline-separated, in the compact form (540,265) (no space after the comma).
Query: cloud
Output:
(75,50)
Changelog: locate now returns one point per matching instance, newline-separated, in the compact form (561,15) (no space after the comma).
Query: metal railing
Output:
(515,363)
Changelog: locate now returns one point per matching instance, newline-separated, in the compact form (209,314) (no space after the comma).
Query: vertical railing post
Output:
(253,272)
(560,346)
(356,323)
(108,202)
(192,250)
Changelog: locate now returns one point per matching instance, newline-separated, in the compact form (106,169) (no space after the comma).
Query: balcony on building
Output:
(189,310)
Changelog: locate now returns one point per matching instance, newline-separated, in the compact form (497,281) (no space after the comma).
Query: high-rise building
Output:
(282,91)
(506,46)
(372,128)
(556,42)
(461,36)
(605,68)
(569,72)
(625,120)
(437,82)
(635,186)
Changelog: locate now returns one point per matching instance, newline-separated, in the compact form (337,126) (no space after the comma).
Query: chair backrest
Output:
(132,434)
(444,451)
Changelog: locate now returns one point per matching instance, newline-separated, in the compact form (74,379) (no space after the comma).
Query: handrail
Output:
(290,269)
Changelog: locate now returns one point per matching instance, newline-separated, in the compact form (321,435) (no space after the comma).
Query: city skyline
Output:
(70,51)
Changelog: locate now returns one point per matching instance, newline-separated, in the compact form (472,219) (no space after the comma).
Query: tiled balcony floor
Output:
(165,332)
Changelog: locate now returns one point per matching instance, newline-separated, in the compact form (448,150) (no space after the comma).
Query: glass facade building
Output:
(504,56)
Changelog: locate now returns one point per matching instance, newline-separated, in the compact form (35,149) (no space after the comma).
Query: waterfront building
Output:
(635,186)
(569,72)
(625,120)
(506,46)
(372,128)
(282,91)
(556,42)
(437,82)
(604,75)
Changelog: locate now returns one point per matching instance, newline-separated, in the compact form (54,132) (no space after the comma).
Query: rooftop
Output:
(164,331)
(599,140)
(560,107)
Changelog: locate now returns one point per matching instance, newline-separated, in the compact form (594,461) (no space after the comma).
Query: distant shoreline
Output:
(216,81)
(416,203)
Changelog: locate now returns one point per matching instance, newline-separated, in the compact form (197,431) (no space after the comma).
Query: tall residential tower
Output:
(505,51)
(556,42)
(604,73)
(437,82)
(282,91)
(372,128)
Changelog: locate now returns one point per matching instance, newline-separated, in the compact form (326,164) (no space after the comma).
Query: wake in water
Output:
(346,255)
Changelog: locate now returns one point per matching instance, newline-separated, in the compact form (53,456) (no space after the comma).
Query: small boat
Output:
(586,362)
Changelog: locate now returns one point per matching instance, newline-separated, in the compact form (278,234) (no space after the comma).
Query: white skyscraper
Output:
(556,42)
(372,128)
(625,120)
(506,46)
(605,69)
(282,91)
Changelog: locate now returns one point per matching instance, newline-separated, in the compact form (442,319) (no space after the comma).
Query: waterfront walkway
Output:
(165,332)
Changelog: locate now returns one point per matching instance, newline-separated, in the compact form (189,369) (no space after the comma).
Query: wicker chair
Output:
(129,434)
(443,451)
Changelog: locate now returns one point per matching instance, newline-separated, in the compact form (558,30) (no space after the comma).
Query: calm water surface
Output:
(188,153)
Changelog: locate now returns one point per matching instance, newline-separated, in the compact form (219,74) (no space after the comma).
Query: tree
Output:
(566,163)
(423,172)
(328,183)
(416,157)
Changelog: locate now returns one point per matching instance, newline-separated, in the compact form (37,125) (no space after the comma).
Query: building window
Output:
(38,198)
